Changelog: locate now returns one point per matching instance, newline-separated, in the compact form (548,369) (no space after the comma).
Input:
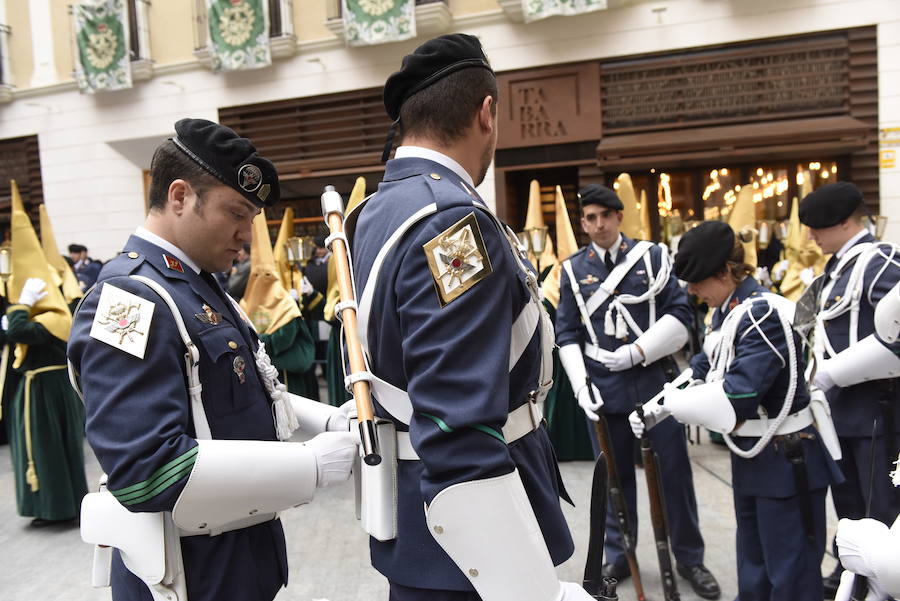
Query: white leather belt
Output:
(593,352)
(521,421)
(793,423)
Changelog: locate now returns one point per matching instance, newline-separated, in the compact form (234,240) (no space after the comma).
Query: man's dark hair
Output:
(445,109)
(168,164)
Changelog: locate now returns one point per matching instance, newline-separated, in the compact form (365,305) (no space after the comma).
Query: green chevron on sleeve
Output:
(159,480)
(744,395)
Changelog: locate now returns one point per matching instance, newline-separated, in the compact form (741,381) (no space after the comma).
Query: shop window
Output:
(686,197)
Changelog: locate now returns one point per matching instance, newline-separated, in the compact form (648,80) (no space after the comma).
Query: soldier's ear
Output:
(177,196)
(487,113)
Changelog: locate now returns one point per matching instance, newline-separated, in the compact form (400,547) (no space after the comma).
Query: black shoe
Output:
(619,572)
(702,581)
(42,523)
(830,583)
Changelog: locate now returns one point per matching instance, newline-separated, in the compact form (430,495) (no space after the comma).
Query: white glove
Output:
(573,362)
(823,380)
(4,323)
(294,294)
(845,588)
(569,591)
(780,269)
(855,539)
(306,287)
(807,276)
(584,401)
(762,275)
(624,357)
(340,419)
(33,291)
(335,453)
(654,413)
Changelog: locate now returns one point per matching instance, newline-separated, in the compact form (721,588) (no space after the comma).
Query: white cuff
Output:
(706,405)
(489,530)
(887,315)
(573,362)
(661,339)
(312,415)
(234,481)
(866,360)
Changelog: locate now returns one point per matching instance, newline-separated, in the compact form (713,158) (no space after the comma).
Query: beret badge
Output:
(249,177)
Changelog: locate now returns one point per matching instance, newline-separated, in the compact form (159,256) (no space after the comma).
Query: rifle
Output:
(658,514)
(617,497)
(593,578)
(333,210)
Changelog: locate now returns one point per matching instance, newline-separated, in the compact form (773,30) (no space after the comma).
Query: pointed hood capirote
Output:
(28,261)
(70,288)
(266,301)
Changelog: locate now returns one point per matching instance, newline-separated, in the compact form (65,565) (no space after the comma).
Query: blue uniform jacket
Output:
(87,273)
(855,408)
(139,424)
(453,362)
(621,391)
(757,377)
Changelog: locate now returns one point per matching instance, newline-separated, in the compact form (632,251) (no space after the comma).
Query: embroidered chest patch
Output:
(123,320)
(590,279)
(457,259)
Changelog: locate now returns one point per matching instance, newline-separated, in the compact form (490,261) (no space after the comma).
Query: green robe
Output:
(55,422)
(334,368)
(566,420)
(292,350)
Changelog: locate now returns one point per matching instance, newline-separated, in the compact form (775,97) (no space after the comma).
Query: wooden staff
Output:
(333,210)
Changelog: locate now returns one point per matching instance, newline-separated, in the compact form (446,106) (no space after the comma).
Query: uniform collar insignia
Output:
(591,254)
(173,263)
(734,303)
(590,279)
(209,316)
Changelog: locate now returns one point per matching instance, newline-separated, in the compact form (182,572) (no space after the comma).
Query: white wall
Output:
(889,115)
(94,194)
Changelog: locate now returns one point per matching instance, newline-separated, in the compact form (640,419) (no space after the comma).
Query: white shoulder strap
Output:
(191,360)
(579,300)
(612,281)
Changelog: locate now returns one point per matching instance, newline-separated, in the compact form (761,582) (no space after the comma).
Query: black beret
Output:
(595,194)
(77,248)
(703,251)
(319,241)
(432,61)
(830,204)
(231,159)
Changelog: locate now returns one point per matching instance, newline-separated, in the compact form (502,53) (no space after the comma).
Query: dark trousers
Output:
(405,593)
(670,444)
(775,559)
(851,495)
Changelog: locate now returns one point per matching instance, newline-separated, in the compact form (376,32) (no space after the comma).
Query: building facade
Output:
(693,98)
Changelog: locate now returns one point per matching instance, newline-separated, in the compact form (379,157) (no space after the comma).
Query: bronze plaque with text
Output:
(554,105)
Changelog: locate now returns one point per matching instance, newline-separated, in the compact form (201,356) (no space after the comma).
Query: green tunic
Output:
(566,421)
(50,479)
(334,368)
(292,351)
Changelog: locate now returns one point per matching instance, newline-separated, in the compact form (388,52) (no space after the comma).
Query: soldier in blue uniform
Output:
(621,308)
(460,350)
(856,369)
(179,407)
(755,395)
(85,268)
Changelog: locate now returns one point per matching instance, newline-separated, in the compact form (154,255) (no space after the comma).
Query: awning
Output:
(809,138)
